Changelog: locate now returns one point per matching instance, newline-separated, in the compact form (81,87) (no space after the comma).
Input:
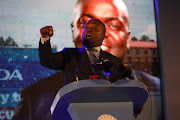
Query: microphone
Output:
(97,68)
(107,64)
(113,72)
(104,70)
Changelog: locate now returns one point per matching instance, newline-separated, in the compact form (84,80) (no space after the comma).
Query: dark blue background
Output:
(24,60)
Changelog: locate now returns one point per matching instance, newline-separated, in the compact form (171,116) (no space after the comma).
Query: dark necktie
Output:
(93,56)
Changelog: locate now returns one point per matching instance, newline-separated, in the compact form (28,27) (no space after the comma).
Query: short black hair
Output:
(98,22)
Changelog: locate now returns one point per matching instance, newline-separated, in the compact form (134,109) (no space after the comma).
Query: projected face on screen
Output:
(113,13)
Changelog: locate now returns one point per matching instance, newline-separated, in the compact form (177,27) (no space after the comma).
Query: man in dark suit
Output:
(74,62)
(79,62)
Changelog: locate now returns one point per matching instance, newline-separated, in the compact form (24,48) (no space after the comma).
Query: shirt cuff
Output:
(44,40)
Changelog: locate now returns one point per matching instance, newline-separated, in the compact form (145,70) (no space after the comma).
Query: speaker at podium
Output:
(99,100)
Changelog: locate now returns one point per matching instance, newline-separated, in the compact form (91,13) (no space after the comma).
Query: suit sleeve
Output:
(55,61)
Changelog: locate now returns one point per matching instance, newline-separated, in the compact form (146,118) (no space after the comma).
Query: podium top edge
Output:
(94,83)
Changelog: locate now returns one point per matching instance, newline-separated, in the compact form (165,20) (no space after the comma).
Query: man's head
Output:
(93,33)
(113,13)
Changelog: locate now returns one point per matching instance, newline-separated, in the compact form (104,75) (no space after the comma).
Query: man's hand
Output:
(46,32)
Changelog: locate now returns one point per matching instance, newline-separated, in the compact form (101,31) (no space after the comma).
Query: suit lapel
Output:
(84,71)
(102,55)
(113,59)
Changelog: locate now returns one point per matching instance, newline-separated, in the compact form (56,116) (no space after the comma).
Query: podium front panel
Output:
(93,111)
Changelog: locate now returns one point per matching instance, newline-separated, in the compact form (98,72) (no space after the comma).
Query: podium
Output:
(99,100)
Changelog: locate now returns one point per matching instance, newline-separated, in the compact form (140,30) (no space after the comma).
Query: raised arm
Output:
(49,59)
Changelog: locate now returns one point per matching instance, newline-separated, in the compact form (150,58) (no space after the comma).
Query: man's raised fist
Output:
(46,32)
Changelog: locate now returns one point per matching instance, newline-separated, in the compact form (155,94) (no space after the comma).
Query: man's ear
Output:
(72,30)
(72,27)
(128,39)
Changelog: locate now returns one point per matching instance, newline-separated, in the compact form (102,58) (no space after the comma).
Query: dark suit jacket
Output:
(73,61)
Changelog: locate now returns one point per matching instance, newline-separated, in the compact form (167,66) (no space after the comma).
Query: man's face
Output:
(93,33)
(114,17)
